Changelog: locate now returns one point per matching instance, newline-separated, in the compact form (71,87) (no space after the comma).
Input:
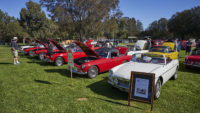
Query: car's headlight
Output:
(115,81)
(83,66)
(51,56)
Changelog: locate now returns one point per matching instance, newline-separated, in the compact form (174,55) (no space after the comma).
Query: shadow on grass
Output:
(118,103)
(65,72)
(3,63)
(103,88)
(40,63)
(42,81)
(183,68)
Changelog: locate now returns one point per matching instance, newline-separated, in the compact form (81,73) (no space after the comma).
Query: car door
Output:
(168,69)
(115,58)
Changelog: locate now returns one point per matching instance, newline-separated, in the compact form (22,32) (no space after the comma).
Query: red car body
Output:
(157,42)
(29,50)
(100,60)
(60,57)
(183,44)
(193,60)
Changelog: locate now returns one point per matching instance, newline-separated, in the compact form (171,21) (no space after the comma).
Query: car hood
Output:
(169,44)
(193,57)
(39,41)
(88,51)
(124,71)
(57,45)
(141,43)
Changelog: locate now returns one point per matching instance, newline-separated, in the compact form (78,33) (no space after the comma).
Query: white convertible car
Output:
(164,69)
(139,47)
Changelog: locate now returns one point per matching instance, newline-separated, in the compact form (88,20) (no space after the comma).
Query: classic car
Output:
(30,45)
(60,57)
(163,67)
(139,47)
(41,52)
(157,42)
(168,49)
(183,44)
(98,61)
(193,60)
(40,45)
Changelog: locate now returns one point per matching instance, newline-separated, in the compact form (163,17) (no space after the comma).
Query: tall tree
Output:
(34,21)
(186,24)
(10,27)
(81,17)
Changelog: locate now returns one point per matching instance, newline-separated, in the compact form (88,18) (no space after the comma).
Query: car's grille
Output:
(123,82)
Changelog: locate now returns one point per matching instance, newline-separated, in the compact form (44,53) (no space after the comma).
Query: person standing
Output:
(149,45)
(198,44)
(14,48)
(188,47)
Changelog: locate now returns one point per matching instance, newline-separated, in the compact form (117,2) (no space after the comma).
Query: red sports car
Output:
(40,45)
(157,42)
(193,60)
(60,57)
(41,52)
(97,61)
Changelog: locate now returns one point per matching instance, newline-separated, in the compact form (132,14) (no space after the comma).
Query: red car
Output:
(60,57)
(193,60)
(40,45)
(43,51)
(157,42)
(98,61)
(183,44)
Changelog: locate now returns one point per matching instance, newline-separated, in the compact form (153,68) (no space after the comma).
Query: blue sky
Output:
(144,10)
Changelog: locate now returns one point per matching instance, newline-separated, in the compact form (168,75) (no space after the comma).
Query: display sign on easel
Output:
(141,88)
(70,61)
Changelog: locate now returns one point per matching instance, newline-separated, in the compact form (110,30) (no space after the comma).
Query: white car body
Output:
(119,76)
(141,44)
(23,47)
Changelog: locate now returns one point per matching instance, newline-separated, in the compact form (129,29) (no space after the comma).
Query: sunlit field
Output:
(36,86)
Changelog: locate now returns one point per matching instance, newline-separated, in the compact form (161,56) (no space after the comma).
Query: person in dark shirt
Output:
(198,44)
(14,48)
(188,47)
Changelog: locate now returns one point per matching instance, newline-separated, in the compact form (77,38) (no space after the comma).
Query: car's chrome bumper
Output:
(192,65)
(77,71)
(119,86)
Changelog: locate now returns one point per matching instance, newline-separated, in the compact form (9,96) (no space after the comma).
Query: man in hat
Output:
(14,48)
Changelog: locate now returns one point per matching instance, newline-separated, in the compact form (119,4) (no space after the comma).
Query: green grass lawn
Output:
(35,86)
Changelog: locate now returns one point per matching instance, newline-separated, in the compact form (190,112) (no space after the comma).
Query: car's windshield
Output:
(102,52)
(196,52)
(163,49)
(148,58)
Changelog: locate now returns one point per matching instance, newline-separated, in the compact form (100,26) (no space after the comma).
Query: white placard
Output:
(141,87)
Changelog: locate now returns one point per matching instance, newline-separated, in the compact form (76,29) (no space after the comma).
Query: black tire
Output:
(158,89)
(175,76)
(31,53)
(59,61)
(92,72)
(41,55)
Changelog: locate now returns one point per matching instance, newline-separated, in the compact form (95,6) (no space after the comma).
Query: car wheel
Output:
(41,55)
(175,76)
(157,89)
(31,53)
(92,72)
(59,61)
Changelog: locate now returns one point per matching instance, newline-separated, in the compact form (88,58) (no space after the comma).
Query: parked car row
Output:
(162,60)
